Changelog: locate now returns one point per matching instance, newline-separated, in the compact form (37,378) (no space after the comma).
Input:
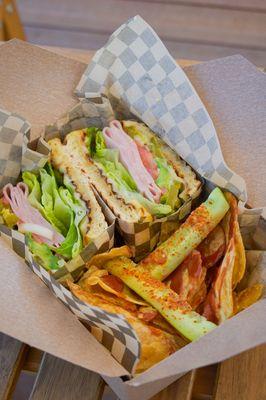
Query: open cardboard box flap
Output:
(39,85)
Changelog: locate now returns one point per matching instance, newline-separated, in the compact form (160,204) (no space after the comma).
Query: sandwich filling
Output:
(52,215)
(136,170)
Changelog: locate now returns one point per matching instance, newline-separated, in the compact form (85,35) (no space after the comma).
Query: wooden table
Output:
(241,378)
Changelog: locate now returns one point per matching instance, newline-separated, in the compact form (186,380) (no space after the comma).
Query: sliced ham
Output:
(16,196)
(116,138)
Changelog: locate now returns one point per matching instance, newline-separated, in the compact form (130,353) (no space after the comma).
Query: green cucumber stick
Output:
(178,313)
(170,254)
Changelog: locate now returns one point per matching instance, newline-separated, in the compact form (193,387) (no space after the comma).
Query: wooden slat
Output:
(12,355)
(2,35)
(179,49)
(177,21)
(13,26)
(248,5)
(179,390)
(204,383)
(243,377)
(60,380)
(33,360)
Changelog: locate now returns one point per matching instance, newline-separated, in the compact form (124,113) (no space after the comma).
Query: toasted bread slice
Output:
(72,158)
(62,160)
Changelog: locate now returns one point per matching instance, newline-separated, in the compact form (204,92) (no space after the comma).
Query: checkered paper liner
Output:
(112,330)
(14,133)
(253,230)
(140,78)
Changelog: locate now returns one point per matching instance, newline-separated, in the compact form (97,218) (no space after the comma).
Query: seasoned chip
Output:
(247,297)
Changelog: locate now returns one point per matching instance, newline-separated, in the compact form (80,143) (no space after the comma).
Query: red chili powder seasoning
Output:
(158,256)
(198,219)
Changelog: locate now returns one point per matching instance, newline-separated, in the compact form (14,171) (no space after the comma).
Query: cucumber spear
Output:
(177,312)
(170,254)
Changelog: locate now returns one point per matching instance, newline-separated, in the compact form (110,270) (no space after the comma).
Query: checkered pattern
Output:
(136,72)
(253,228)
(34,159)
(13,131)
(96,111)
(143,237)
(30,159)
(256,269)
(73,269)
(111,330)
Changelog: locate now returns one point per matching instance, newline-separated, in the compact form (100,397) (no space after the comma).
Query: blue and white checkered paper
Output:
(136,72)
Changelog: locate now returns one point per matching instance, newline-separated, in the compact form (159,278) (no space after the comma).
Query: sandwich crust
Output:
(70,166)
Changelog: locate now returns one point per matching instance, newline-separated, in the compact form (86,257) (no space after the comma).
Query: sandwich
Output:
(58,217)
(137,175)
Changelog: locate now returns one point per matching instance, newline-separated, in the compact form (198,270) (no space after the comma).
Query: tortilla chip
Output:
(247,297)
(234,231)
(100,259)
(156,344)
(101,277)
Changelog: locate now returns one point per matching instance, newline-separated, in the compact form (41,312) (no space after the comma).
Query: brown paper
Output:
(39,85)
(234,93)
(30,313)
(42,84)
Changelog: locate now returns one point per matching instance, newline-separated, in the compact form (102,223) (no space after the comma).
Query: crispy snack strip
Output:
(177,312)
(170,254)
(156,344)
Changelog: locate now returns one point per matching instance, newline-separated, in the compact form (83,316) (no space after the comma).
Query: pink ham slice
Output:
(16,196)
(116,138)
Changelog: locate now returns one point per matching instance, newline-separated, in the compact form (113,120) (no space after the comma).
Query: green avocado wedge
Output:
(178,313)
(170,254)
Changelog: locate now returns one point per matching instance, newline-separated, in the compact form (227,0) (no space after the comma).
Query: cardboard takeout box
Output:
(39,85)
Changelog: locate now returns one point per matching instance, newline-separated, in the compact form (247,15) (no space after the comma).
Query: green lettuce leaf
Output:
(159,210)
(35,193)
(108,159)
(72,244)
(60,206)
(56,211)
(43,254)
(168,181)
